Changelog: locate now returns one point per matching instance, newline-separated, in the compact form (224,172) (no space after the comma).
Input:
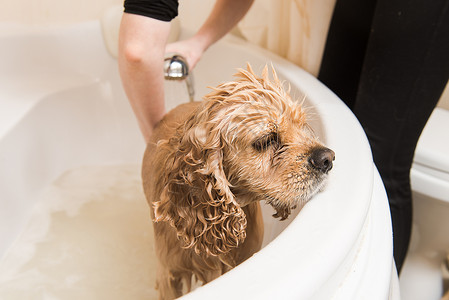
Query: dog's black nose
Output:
(321,159)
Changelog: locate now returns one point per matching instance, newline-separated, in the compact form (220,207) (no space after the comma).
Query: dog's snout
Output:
(321,159)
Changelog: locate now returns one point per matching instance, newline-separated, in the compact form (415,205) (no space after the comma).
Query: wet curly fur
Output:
(210,163)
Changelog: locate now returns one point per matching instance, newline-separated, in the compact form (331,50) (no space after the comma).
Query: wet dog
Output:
(209,164)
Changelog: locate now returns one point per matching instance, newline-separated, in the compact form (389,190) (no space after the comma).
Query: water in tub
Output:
(90,237)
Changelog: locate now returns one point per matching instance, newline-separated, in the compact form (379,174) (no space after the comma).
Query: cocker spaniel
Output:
(210,163)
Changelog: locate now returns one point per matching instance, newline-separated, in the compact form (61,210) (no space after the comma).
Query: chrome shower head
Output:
(175,67)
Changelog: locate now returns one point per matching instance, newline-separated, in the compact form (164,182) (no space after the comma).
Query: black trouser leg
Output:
(345,47)
(404,71)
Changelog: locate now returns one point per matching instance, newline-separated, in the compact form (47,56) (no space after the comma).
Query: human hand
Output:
(190,49)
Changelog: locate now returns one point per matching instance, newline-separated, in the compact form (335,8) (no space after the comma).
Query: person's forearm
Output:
(224,16)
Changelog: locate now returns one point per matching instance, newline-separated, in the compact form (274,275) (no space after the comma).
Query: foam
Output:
(90,237)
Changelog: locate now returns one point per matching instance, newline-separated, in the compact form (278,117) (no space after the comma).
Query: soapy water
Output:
(89,237)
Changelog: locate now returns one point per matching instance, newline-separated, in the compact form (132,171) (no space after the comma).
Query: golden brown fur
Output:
(210,163)
(446,296)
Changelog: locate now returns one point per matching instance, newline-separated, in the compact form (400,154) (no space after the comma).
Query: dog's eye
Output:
(266,141)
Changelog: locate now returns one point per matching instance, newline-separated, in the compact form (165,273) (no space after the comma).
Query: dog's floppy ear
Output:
(196,198)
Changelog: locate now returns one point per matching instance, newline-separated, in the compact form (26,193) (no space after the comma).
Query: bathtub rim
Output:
(326,107)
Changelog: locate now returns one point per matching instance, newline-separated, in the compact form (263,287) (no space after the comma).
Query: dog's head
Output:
(248,141)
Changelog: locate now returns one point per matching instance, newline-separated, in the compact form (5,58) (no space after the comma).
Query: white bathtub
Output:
(62,108)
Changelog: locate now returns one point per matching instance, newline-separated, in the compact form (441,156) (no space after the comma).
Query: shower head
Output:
(175,67)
